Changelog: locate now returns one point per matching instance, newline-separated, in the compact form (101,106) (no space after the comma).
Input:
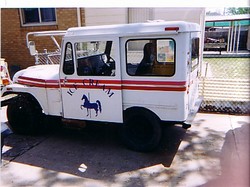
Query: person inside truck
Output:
(145,66)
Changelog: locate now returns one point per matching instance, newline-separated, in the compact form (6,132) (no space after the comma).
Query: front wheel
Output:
(141,130)
(25,116)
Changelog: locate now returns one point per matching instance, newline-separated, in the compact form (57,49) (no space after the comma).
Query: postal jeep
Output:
(140,76)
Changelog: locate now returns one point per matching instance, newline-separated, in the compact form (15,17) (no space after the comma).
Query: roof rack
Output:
(47,33)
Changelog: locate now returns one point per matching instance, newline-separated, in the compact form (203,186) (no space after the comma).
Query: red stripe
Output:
(38,80)
(41,83)
(31,84)
(103,84)
(92,87)
(91,80)
(179,83)
(182,83)
(178,89)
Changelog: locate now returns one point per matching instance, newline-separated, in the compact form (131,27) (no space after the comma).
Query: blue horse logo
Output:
(86,104)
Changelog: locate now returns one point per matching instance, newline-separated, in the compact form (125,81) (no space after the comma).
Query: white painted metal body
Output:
(170,97)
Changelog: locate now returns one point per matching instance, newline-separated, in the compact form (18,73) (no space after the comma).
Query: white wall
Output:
(105,16)
(101,16)
(136,15)
(179,14)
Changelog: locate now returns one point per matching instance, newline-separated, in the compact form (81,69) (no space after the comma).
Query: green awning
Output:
(227,23)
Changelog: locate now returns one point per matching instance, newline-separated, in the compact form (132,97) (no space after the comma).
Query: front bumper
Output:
(5,100)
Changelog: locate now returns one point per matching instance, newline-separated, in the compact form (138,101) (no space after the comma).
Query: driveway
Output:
(213,152)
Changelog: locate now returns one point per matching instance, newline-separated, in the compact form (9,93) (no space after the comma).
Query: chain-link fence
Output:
(225,83)
(48,58)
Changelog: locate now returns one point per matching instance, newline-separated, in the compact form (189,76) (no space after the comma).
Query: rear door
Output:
(91,80)
(194,67)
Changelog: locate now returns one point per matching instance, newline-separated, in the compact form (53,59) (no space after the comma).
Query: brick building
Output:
(17,22)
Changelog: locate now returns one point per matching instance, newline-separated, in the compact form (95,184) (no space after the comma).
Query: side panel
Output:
(87,96)
(166,96)
(54,101)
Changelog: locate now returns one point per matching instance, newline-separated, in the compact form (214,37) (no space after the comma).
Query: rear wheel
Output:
(141,130)
(25,116)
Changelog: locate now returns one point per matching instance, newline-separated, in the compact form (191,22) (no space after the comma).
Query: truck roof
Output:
(134,28)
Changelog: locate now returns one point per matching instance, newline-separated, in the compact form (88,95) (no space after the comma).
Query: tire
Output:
(25,116)
(142,130)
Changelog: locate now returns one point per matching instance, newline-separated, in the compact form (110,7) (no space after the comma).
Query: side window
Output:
(95,58)
(68,63)
(150,57)
(195,53)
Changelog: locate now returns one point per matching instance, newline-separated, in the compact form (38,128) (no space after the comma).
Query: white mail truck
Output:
(140,75)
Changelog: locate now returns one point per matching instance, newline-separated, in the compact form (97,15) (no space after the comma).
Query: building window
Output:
(38,16)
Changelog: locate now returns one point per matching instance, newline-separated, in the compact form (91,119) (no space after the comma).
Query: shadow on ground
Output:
(94,152)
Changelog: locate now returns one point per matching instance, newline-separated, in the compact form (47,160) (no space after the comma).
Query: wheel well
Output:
(28,95)
(18,94)
(141,109)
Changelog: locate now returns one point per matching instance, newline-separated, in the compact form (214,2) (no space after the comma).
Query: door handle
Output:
(65,80)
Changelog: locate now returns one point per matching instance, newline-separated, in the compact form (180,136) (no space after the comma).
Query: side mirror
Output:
(32,48)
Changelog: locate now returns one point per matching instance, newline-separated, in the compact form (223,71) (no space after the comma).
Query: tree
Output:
(214,11)
(236,11)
